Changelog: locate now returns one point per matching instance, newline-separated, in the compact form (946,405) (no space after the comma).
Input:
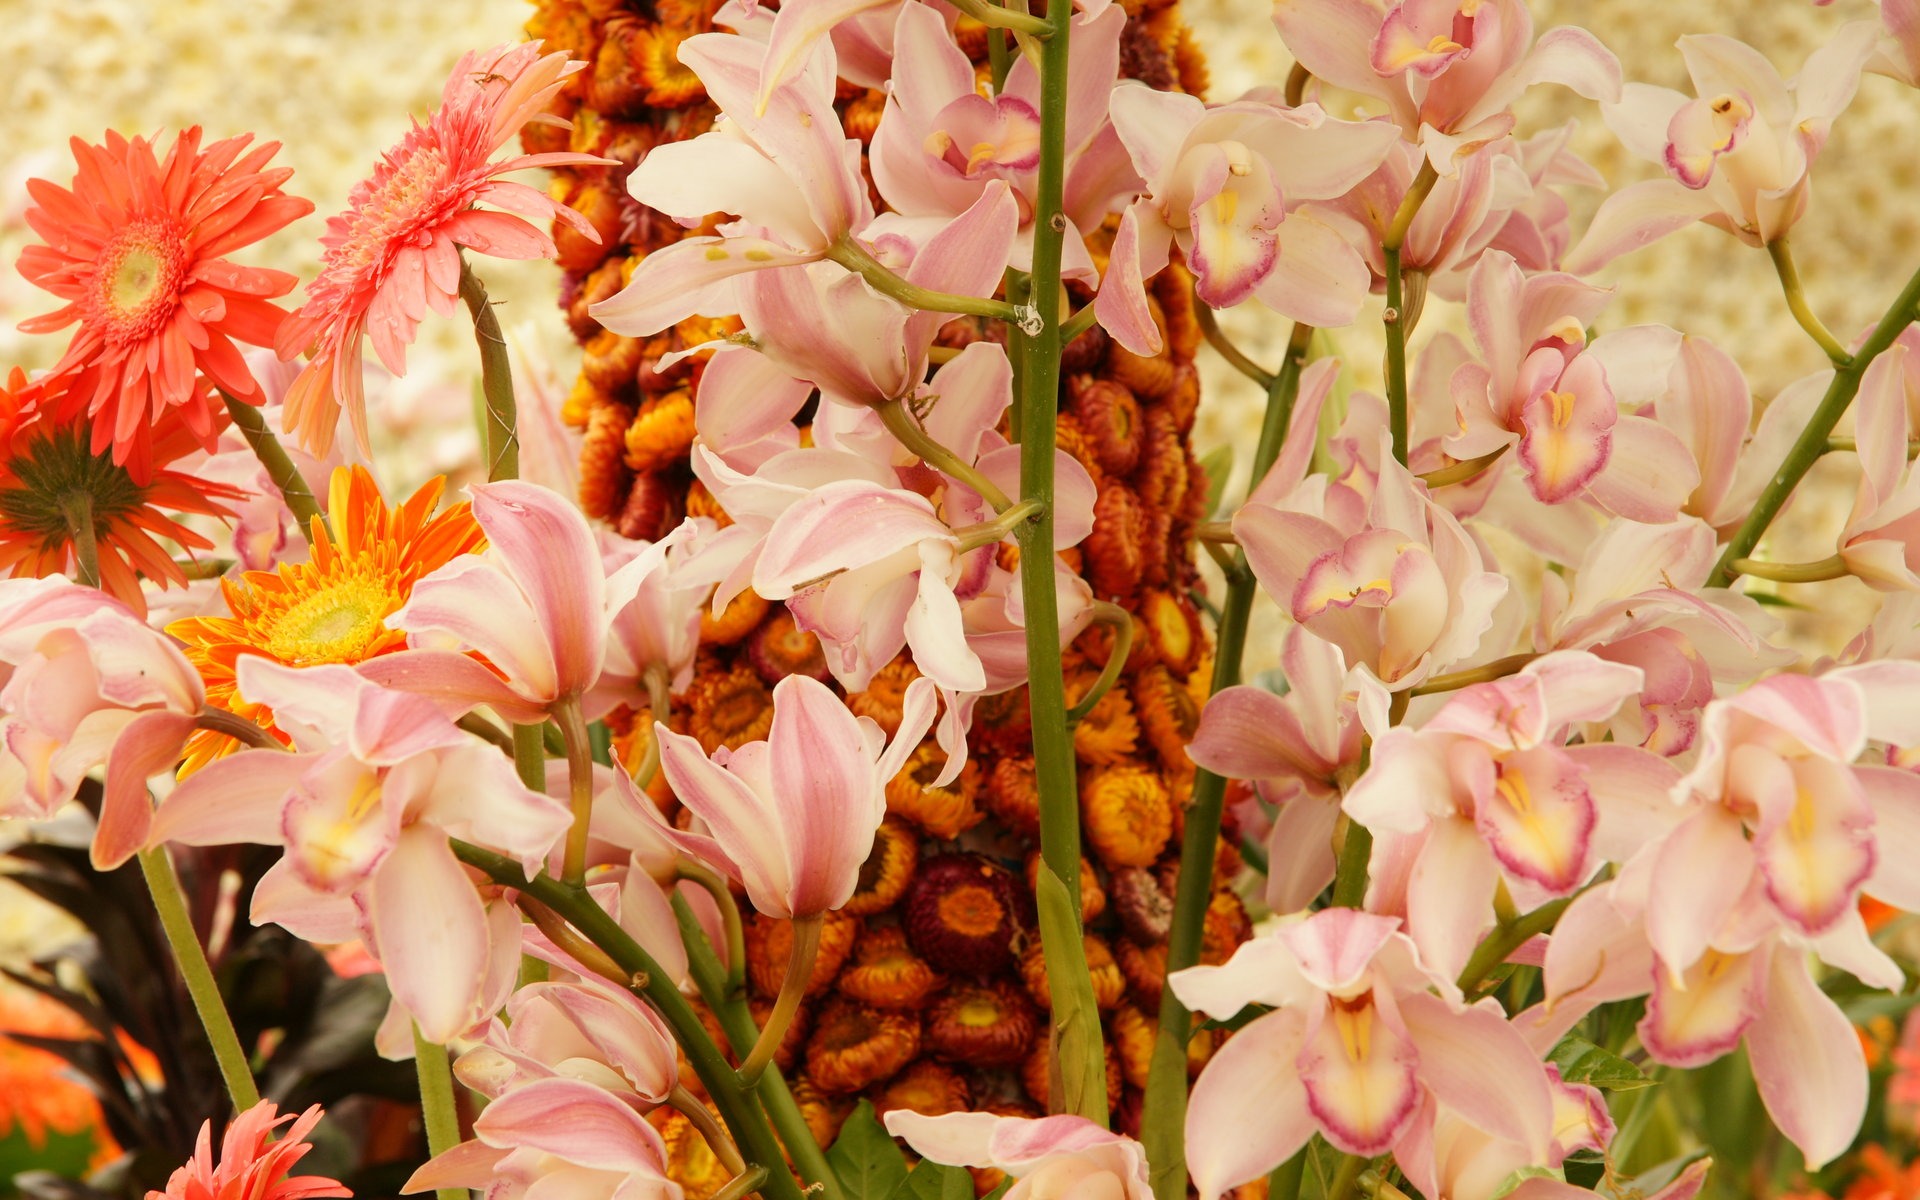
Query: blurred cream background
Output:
(338,80)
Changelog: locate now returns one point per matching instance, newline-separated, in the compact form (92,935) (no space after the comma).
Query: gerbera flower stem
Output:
(436,1102)
(170,903)
(86,551)
(573,731)
(496,379)
(273,456)
(806,945)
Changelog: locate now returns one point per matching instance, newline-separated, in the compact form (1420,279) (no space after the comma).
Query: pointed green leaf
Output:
(866,1160)
(1580,1061)
(935,1181)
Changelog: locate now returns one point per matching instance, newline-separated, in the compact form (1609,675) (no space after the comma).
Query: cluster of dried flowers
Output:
(785,770)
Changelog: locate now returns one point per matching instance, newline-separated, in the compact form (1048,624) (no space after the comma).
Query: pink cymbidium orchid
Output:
(941,142)
(1060,1157)
(1737,157)
(1227,184)
(1537,390)
(793,817)
(1897,56)
(377,783)
(1448,70)
(1358,1047)
(1880,543)
(582,1029)
(1449,1157)
(1486,792)
(538,605)
(85,683)
(657,631)
(556,1137)
(1300,750)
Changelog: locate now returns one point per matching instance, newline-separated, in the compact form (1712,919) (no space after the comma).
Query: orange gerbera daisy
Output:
(52,483)
(331,608)
(395,252)
(135,247)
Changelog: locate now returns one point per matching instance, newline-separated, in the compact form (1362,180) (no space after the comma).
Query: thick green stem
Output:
(743,1117)
(1507,937)
(573,732)
(1782,255)
(436,1103)
(252,425)
(530,756)
(1164,1116)
(1079,1061)
(170,902)
(1394,321)
(907,431)
(496,379)
(729,1004)
(806,944)
(855,258)
(1350,872)
(1812,442)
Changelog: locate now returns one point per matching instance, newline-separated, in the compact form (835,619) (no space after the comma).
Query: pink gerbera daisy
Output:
(251,1168)
(395,252)
(135,248)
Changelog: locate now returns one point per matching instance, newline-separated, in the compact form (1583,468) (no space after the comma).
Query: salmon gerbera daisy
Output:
(333,608)
(395,252)
(136,246)
(253,1166)
(53,485)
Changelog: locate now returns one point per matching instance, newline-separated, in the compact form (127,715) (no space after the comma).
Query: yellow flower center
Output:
(141,275)
(334,625)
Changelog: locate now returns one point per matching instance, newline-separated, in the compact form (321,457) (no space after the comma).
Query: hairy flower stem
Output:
(1782,255)
(700,1116)
(437,1109)
(744,1118)
(252,424)
(573,731)
(1812,442)
(729,1004)
(806,946)
(908,432)
(170,903)
(1079,1062)
(1164,1116)
(854,257)
(496,379)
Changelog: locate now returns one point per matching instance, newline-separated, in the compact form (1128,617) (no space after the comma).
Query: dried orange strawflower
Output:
(1128,814)
(770,942)
(943,811)
(925,1087)
(884,877)
(1109,986)
(886,973)
(729,709)
(991,1024)
(854,1046)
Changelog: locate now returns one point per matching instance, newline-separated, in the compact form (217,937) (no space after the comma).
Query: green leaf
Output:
(1580,1061)
(1078,1059)
(935,1181)
(870,1166)
(1217,465)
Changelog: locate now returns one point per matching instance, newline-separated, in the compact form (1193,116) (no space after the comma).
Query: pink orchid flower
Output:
(792,818)
(1897,56)
(581,1029)
(659,629)
(1448,70)
(1451,1158)
(1300,749)
(378,782)
(1737,157)
(1390,578)
(1486,791)
(85,683)
(941,142)
(1048,1158)
(1357,1048)
(1536,390)
(1878,542)
(539,605)
(1226,184)
(556,1137)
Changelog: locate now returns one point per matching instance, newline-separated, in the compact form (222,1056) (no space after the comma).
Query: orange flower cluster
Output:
(933,997)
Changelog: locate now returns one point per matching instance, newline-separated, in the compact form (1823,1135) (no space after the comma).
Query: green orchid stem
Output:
(1831,567)
(995,17)
(806,946)
(743,1117)
(78,506)
(999,58)
(716,887)
(170,903)
(573,732)
(1465,470)
(252,424)
(689,1106)
(436,1103)
(1782,255)
(1350,872)
(530,756)
(496,379)
(1224,347)
(1121,622)
(1452,681)
(743,1184)
(1852,446)
(561,934)
(487,731)
(854,257)
(1507,937)
(992,533)
(730,1006)
(1397,320)
(907,431)
(1078,324)
(1346,1177)
(1165,1111)
(1079,1060)
(1812,442)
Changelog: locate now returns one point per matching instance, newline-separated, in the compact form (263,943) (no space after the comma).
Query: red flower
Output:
(250,1167)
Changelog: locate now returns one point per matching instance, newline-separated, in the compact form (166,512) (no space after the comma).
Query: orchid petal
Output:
(1807,1062)
(1249,1111)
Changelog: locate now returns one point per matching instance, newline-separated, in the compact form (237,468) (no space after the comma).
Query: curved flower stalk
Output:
(364,807)
(1049,1158)
(1358,1047)
(395,253)
(1737,157)
(1226,184)
(1449,71)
